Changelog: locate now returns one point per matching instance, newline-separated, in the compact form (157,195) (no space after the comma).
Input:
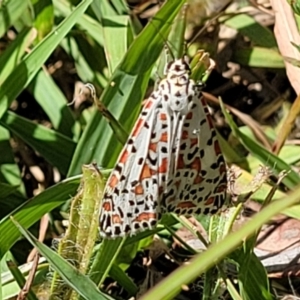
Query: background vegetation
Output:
(49,131)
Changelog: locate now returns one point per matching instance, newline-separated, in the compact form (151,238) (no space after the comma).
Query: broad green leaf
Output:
(289,153)
(176,39)
(104,259)
(121,7)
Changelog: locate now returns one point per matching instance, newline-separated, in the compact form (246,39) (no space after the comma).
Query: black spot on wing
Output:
(191,155)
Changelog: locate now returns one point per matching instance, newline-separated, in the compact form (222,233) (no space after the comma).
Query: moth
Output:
(171,162)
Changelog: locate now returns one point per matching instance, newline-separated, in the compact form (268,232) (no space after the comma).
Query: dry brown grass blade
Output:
(246,119)
(42,234)
(25,290)
(286,32)
(287,126)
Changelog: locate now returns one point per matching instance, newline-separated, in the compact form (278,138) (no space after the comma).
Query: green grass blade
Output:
(259,35)
(44,17)
(117,274)
(185,274)
(79,282)
(9,170)
(10,11)
(53,146)
(32,210)
(115,32)
(88,57)
(266,157)
(79,240)
(20,279)
(252,276)
(104,259)
(53,102)
(13,53)
(87,24)
(28,68)
(259,57)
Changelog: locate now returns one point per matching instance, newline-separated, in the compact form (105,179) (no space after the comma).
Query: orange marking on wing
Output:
(217,148)
(148,104)
(221,188)
(170,200)
(147,172)
(180,162)
(106,206)
(194,142)
(223,169)
(153,147)
(145,217)
(177,184)
(164,166)
(189,116)
(124,157)
(116,219)
(184,135)
(210,201)
(139,190)
(209,121)
(160,190)
(196,164)
(163,117)
(186,204)
(164,137)
(137,127)
(113,181)
(198,179)
(203,101)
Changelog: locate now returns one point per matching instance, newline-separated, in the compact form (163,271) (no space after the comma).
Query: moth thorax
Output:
(178,79)
(178,100)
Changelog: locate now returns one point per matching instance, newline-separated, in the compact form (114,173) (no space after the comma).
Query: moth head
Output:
(178,67)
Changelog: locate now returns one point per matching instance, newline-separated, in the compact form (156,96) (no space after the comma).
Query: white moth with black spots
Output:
(171,162)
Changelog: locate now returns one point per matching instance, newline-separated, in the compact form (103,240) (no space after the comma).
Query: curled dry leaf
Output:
(286,32)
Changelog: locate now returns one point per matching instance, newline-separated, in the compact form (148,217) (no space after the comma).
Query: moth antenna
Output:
(167,47)
(210,22)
